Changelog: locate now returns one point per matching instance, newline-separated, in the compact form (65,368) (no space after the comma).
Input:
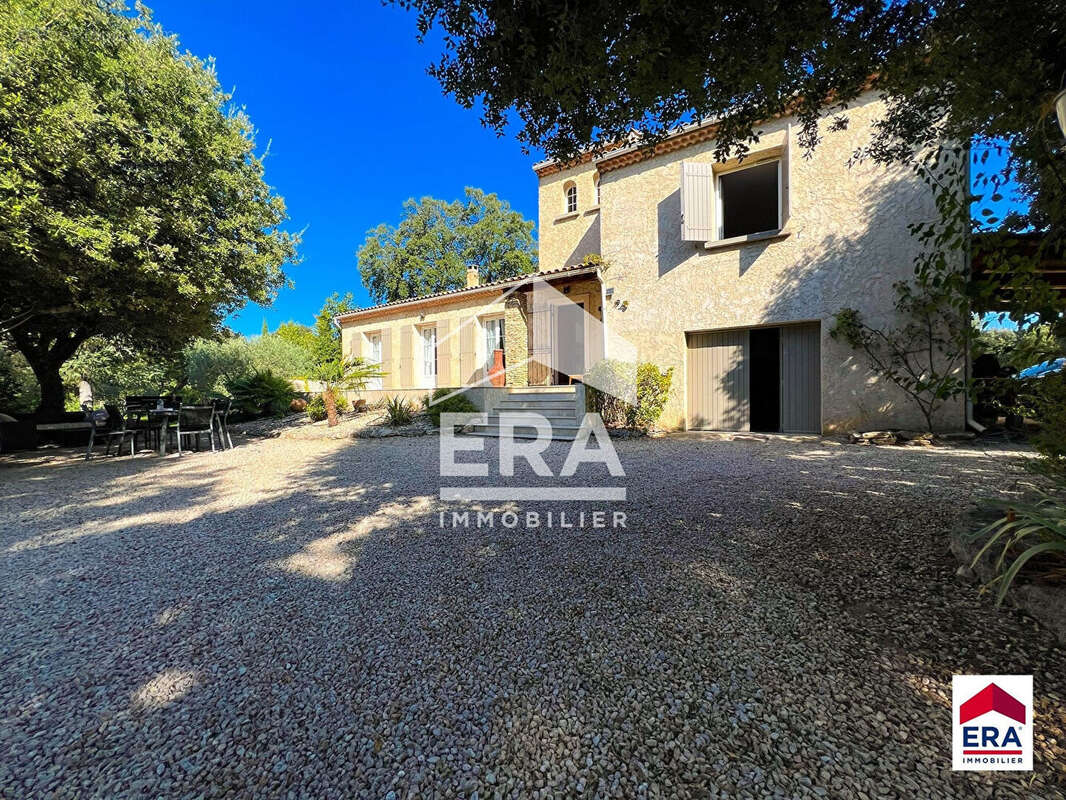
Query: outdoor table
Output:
(162,417)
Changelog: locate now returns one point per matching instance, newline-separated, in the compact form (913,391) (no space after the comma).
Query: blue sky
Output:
(355,126)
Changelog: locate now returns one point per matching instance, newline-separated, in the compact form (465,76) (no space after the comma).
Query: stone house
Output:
(730,273)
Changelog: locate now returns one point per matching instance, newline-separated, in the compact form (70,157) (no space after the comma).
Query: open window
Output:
(429,357)
(732,202)
(749,200)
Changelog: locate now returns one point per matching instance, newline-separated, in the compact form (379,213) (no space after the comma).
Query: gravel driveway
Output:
(288,619)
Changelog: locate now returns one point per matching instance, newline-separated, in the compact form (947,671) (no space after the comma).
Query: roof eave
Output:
(459,294)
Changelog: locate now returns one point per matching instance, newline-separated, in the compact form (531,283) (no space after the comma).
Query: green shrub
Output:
(210,365)
(18,386)
(457,404)
(398,411)
(115,368)
(614,382)
(316,407)
(1049,407)
(653,390)
(261,393)
(1022,534)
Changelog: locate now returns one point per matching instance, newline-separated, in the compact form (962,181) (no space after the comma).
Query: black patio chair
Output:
(223,405)
(137,407)
(110,424)
(196,421)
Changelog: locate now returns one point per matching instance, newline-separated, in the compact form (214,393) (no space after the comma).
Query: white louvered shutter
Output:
(786,177)
(697,202)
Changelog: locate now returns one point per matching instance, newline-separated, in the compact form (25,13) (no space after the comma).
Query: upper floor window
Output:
(571,197)
(749,200)
(596,183)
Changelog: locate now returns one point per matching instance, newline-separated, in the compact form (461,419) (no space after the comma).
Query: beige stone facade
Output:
(842,241)
(845,243)
(566,237)
(459,321)
(460,341)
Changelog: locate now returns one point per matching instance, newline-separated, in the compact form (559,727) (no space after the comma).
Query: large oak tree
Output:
(436,240)
(132,201)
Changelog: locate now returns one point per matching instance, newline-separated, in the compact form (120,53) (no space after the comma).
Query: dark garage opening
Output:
(765,379)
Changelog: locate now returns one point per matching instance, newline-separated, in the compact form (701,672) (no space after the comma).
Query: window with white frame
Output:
(373,341)
(749,200)
(571,198)
(429,358)
(493,339)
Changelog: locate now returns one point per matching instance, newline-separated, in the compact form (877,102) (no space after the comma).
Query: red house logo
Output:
(991,698)
(992,726)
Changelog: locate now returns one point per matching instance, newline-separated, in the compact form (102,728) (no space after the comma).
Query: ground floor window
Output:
(493,339)
(373,341)
(429,357)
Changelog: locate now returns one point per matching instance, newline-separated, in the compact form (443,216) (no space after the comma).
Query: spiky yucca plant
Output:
(1024,532)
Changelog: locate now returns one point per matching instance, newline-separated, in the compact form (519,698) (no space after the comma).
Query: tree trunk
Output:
(53,395)
(331,408)
(46,354)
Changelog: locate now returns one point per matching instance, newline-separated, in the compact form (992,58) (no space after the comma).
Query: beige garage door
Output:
(718,381)
(801,379)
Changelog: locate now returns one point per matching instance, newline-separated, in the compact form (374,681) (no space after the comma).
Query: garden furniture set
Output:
(158,419)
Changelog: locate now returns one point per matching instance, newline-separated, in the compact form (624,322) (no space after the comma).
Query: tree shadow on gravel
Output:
(305,624)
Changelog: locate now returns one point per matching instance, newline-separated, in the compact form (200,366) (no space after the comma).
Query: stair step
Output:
(494,433)
(570,427)
(512,406)
(518,409)
(542,390)
(550,413)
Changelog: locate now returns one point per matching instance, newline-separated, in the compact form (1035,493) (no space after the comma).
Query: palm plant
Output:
(1023,533)
(341,375)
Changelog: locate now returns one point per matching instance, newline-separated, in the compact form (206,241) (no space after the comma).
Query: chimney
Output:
(472,277)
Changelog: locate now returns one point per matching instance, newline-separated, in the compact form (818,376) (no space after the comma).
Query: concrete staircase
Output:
(562,406)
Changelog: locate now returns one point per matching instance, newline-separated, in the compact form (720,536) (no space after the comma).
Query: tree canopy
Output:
(300,335)
(590,75)
(327,341)
(132,200)
(435,242)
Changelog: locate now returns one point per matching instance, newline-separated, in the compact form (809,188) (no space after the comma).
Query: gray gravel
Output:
(287,619)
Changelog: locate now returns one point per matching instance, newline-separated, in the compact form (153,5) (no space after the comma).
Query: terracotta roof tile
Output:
(503,282)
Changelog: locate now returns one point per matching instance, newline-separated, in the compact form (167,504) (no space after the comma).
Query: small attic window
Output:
(570,191)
